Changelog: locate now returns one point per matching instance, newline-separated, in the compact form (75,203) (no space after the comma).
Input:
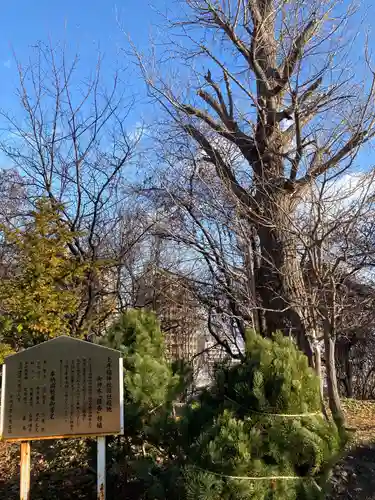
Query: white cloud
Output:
(7,64)
(351,192)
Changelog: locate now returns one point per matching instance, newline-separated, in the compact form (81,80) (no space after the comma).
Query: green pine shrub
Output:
(241,428)
(152,384)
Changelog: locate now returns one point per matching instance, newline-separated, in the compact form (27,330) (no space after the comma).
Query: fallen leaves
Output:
(361,417)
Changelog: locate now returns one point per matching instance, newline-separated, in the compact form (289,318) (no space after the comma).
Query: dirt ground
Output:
(354,476)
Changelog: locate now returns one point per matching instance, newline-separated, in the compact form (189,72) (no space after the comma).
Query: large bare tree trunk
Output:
(279,278)
(279,286)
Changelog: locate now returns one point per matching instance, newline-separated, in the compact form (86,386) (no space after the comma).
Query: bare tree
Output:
(334,267)
(355,343)
(275,91)
(199,222)
(271,80)
(355,346)
(69,143)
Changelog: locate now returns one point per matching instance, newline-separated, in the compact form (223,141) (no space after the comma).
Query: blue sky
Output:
(84,23)
(86,26)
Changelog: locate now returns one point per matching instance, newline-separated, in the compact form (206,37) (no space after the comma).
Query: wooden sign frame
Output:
(25,458)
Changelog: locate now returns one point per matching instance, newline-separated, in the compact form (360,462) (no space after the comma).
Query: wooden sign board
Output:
(62,388)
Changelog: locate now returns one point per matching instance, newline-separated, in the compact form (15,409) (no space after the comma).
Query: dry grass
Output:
(361,417)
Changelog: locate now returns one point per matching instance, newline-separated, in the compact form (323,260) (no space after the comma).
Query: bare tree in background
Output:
(69,143)
(355,342)
(355,347)
(13,196)
(200,223)
(335,267)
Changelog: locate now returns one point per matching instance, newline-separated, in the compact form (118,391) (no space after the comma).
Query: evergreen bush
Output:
(149,380)
(261,418)
(151,385)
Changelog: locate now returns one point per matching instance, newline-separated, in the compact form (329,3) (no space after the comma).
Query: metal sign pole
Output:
(2,407)
(101,472)
(121,386)
(25,471)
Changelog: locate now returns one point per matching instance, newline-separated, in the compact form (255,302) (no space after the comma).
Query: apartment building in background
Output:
(171,299)
(183,321)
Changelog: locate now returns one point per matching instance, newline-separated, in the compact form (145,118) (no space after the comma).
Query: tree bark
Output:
(279,277)
(318,367)
(333,392)
(350,379)
(348,370)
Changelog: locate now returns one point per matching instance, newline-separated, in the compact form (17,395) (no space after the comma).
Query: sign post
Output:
(101,475)
(62,388)
(25,470)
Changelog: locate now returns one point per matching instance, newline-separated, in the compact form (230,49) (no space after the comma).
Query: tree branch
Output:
(222,168)
(286,69)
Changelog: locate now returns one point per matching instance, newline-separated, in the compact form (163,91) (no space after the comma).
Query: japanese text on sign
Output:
(63,387)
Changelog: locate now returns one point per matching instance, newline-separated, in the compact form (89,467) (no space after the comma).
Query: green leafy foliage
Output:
(5,350)
(242,428)
(40,295)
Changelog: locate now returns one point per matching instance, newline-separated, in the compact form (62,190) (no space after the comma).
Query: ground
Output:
(354,476)
(62,475)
